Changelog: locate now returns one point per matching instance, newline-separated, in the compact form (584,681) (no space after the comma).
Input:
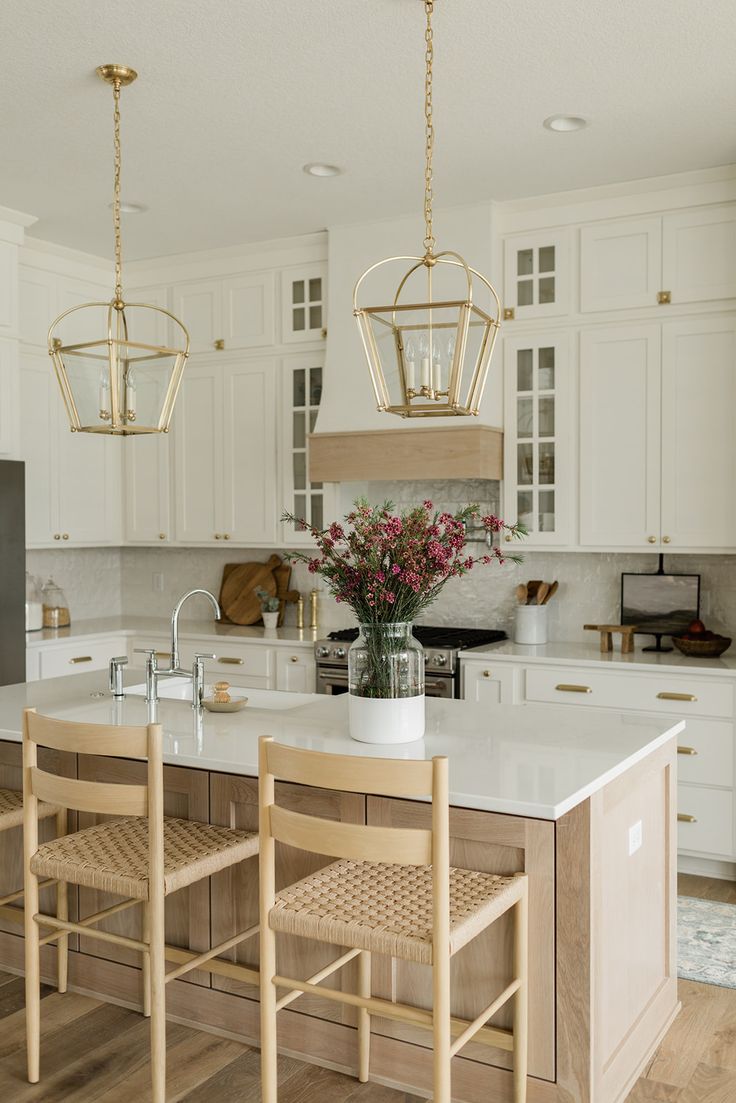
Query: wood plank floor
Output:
(92,1051)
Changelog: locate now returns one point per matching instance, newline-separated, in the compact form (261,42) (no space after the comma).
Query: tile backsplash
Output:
(108,581)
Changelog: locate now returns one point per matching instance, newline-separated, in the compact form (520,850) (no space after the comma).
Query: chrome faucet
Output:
(174,671)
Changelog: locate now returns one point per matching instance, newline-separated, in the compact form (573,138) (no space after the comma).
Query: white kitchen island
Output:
(584,803)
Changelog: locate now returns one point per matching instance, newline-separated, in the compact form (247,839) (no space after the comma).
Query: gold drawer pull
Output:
(81,659)
(487,673)
(231,660)
(676,697)
(686,750)
(563,688)
(682,817)
(163,654)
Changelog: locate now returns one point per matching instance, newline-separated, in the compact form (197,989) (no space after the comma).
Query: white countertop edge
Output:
(287,636)
(585,655)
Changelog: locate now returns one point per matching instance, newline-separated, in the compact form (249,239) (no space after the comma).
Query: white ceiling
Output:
(234,96)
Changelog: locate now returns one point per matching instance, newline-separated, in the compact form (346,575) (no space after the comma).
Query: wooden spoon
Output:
(521,594)
(550,593)
(542,593)
(531,590)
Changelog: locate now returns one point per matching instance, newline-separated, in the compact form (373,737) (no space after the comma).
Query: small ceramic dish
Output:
(233,705)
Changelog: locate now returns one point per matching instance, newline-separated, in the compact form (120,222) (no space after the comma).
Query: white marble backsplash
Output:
(91,578)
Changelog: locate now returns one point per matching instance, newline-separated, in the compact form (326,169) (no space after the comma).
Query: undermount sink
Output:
(180,689)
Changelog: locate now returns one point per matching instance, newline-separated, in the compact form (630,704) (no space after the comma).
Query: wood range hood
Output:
(465,452)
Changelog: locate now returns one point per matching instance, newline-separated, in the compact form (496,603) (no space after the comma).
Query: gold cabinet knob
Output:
(220,344)
(57,536)
(226,536)
(218,536)
(664,298)
(652,539)
(508,538)
(65,536)
(508,314)
(666,539)
(487,673)
(294,659)
(162,536)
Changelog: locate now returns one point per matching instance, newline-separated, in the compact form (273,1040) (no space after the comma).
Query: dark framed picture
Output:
(660,604)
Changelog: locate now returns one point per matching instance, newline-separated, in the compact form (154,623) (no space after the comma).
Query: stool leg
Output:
(521,999)
(146,970)
(269,1050)
(158,994)
(364,1019)
(442,1038)
(33,976)
(62,912)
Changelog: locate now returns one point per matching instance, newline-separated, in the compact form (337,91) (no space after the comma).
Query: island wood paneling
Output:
(234,803)
(186,796)
(490,843)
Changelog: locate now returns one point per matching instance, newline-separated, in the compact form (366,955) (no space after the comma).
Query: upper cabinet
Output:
(537,275)
(686,257)
(304,303)
(537,437)
(230,314)
(301,397)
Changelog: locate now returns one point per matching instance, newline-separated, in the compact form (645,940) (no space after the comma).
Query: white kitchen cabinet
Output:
(148,504)
(152,328)
(620,438)
(8,289)
(37,304)
(296,670)
(301,394)
(489,683)
(698,438)
(538,437)
(73,480)
(225,454)
(699,254)
(537,274)
(304,303)
(8,396)
(230,314)
(620,264)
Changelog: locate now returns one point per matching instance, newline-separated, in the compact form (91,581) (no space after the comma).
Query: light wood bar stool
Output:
(392,892)
(142,856)
(11,815)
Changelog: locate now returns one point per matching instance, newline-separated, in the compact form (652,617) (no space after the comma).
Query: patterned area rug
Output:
(706,941)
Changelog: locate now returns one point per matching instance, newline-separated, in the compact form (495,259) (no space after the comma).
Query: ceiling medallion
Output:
(118,382)
(429,356)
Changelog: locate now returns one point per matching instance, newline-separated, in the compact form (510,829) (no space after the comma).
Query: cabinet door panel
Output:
(40,426)
(620,264)
(152,328)
(248,303)
(187,911)
(90,478)
(304,303)
(698,439)
(295,671)
(234,803)
(9,289)
(492,844)
(199,307)
(37,305)
(537,277)
(147,488)
(198,454)
(699,254)
(249,477)
(620,436)
(489,684)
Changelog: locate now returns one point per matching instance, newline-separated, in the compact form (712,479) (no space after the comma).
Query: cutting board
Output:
(238,602)
(282,574)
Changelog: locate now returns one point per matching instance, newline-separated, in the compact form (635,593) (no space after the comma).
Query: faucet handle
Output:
(204,655)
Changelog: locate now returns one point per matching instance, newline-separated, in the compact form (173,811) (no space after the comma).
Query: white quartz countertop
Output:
(589,654)
(152,627)
(534,760)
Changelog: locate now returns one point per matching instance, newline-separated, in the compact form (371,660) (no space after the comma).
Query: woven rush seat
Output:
(11,809)
(388,908)
(113,856)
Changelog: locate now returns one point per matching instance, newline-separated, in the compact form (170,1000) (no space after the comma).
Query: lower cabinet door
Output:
(705,821)
(187,911)
(234,803)
(490,843)
(489,684)
(11,842)
(296,672)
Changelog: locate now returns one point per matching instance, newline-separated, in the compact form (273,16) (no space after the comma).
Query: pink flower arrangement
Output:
(389,567)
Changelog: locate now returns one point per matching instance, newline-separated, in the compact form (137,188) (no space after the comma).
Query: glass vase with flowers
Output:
(389,567)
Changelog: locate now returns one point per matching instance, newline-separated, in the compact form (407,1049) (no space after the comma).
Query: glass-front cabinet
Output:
(302,394)
(537,450)
(304,302)
(536,275)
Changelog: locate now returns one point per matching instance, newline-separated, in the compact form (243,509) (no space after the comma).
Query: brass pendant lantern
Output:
(113,379)
(429,356)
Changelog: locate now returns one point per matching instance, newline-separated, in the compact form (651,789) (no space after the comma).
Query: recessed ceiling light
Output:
(130,208)
(317,168)
(564,123)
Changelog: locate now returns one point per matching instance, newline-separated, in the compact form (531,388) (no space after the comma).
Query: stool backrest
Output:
(98,739)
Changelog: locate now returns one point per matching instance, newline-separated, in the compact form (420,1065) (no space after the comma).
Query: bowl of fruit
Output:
(700,643)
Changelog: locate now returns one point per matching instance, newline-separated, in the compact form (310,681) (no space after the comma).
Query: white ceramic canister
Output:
(530,625)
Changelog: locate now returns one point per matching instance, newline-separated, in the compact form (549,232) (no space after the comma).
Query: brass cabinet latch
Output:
(664,298)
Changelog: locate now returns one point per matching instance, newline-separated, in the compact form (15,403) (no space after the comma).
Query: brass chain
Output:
(428,130)
(116,196)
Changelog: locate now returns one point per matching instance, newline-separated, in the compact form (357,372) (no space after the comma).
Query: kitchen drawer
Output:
(711,832)
(706,752)
(488,682)
(234,661)
(677,695)
(76,658)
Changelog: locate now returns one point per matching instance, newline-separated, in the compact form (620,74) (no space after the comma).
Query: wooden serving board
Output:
(282,574)
(238,601)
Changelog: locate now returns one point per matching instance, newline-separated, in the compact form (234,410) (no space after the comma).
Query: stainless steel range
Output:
(441,648)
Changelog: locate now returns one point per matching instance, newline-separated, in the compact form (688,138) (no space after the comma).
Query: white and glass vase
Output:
(386,684)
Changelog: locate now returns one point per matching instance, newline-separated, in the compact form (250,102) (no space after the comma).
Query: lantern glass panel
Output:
(88,375)
(145,380)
